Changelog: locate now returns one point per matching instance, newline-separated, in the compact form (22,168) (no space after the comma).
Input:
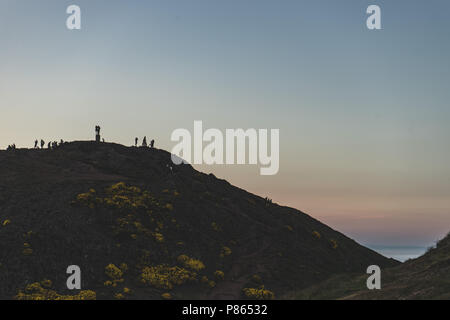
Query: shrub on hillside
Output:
(165,277)
(258,293)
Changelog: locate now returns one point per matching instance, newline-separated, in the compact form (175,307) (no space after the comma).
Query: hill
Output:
(427,277)
(141,228)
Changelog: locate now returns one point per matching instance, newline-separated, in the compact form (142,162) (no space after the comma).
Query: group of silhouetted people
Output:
(36,144)
(50,145)
(144,142)
(41,145)
(53,145)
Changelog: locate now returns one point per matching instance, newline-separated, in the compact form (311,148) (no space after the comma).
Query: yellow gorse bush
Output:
(158,237)
(166,296)
(35,291)
(165,277)
(109,283)
(84,197)
(27,250)
(193,264)
(219,275)
(121,196)
(126,290)
(119,296)
(121,187)
(132,204)
(258,293)
(46,283)
(225,252)
(113,272)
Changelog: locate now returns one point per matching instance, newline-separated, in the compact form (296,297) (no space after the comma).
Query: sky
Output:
(363,114)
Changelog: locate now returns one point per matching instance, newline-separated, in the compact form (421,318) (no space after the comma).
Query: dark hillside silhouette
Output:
(140,227)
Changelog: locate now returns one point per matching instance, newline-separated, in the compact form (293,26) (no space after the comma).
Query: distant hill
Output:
(427,277)
(141,228)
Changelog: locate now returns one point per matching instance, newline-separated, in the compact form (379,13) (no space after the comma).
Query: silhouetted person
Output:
(97,133)
(62,142)
(152,143)
(36,144)
(49,145)
(136,141)
(144,142)
(42,144)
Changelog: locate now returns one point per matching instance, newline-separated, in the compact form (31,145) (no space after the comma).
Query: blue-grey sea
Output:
(399,253)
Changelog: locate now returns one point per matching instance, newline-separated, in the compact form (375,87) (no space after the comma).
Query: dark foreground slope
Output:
(139,228)
(427,277)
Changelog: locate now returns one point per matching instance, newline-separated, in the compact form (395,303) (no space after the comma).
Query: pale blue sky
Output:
(363,115)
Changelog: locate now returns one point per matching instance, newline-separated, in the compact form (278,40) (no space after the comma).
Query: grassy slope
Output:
(196,214)
(427,277)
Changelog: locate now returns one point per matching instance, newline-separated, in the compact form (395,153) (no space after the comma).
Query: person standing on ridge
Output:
(136,141)
(42,144)
(144,142)
(35,144)
(97,133)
